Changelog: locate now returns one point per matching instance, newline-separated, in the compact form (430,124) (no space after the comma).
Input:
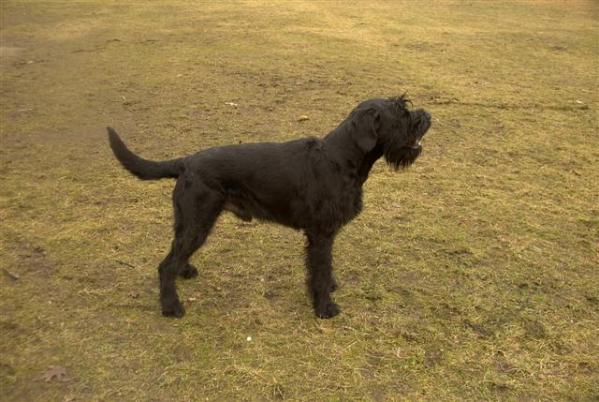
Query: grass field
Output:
(471,276)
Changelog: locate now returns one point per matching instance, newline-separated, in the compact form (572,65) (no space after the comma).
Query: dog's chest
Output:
(338,200)
(349,203)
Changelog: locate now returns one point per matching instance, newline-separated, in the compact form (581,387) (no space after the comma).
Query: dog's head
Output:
(389,125)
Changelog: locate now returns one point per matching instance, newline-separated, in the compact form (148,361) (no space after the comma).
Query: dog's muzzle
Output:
(422,124)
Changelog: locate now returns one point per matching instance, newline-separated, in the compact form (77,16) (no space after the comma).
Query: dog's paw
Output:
(188,272)
(328,310)
(173,309)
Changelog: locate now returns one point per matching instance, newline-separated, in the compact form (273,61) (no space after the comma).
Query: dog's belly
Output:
(239,210)
(246,207)
(297,211)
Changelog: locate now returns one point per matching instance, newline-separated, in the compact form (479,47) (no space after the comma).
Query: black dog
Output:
(310,184)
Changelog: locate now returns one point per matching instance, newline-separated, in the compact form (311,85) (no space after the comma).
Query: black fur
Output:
(310,184)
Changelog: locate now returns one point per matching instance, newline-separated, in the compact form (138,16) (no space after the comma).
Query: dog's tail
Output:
(143,168)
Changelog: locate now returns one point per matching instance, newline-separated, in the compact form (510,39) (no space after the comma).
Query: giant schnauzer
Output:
(310,184)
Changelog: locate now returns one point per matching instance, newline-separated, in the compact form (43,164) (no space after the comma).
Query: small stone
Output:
(303,118)
(249,339)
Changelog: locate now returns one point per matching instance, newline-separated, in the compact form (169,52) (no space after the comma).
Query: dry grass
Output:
(472,276)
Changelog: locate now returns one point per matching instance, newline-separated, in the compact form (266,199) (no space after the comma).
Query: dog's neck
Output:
(345,151)
(368,161)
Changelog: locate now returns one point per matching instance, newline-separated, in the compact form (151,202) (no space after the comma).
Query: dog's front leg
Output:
(319,257)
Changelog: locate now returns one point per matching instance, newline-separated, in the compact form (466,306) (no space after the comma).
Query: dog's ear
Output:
(366,124)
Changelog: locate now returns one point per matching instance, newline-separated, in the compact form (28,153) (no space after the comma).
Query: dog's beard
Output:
(402,157)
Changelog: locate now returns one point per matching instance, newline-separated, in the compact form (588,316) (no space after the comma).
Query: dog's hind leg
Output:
(196,209)
(188,271)
(320,273)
